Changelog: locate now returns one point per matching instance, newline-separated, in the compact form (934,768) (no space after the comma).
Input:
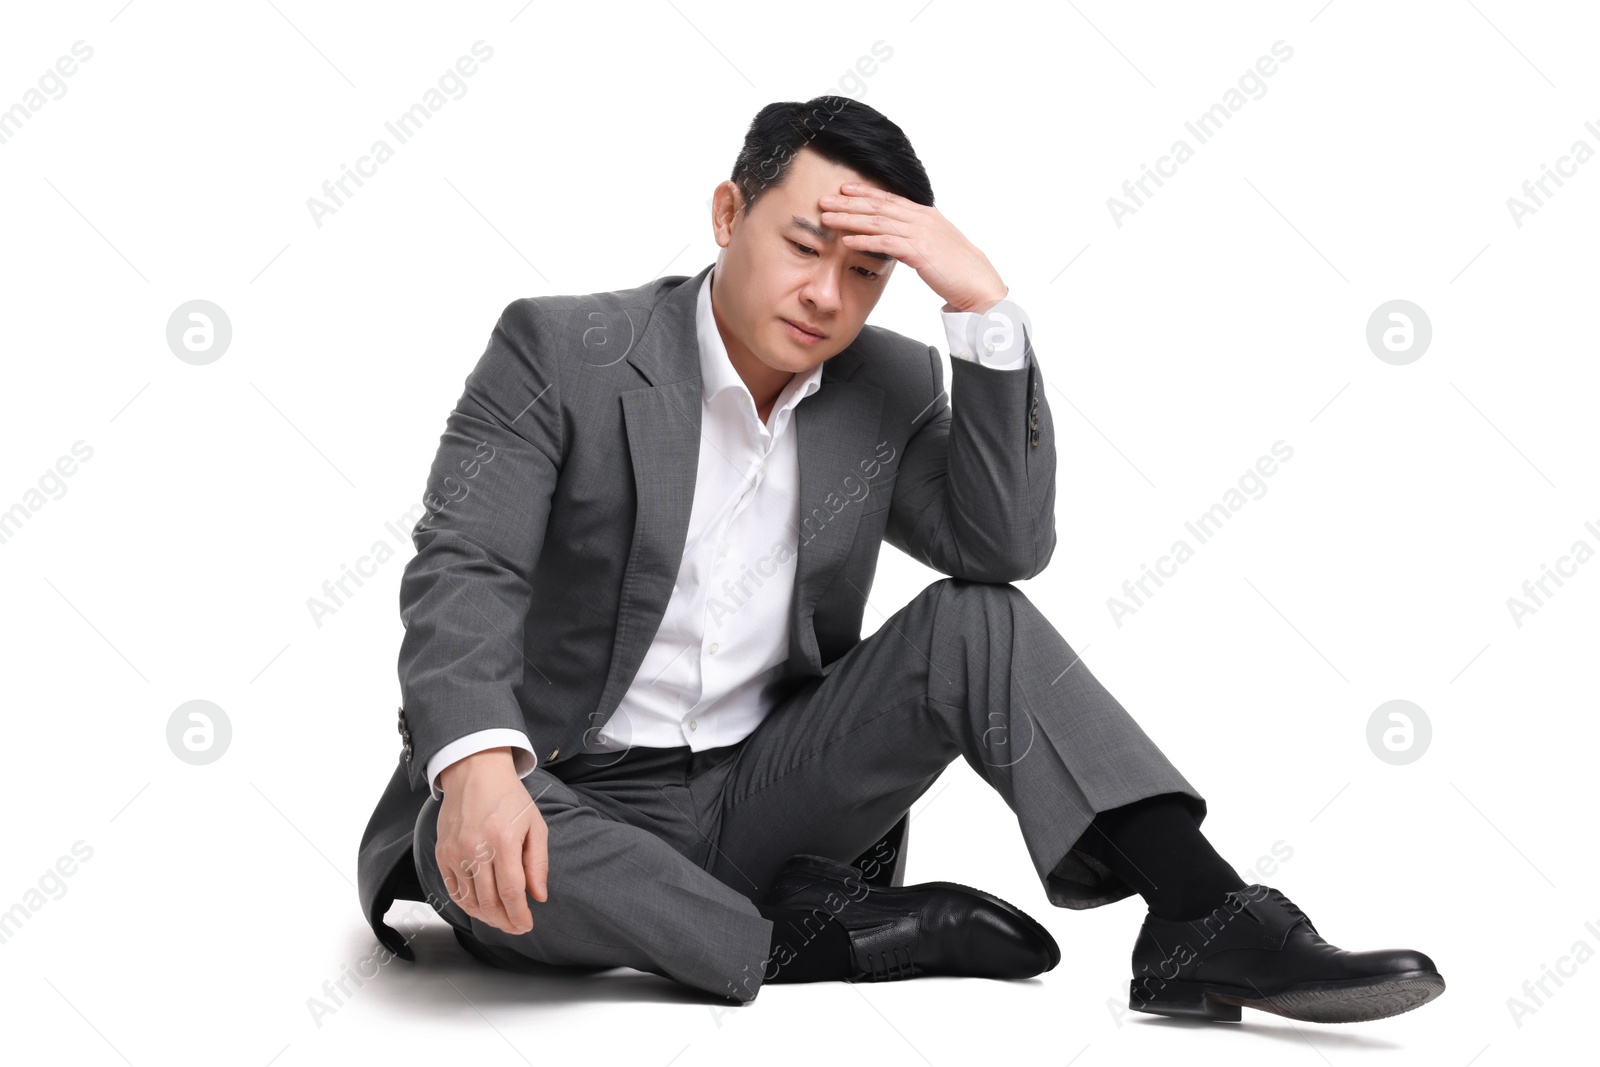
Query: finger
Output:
(451,886)
(536,861)
(512,888)
(892,244)
(871,202)
(863,205)
(483,888)
(458,887)
(863,223)
(859,188)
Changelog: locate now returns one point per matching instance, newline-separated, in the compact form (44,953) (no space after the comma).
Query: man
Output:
(640,724)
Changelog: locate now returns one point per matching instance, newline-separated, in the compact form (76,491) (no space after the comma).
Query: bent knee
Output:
(966,592)
(424,841)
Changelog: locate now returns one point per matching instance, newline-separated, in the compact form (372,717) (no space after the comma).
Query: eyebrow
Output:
(822,233)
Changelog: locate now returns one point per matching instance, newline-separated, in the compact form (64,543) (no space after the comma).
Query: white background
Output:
(1228,313)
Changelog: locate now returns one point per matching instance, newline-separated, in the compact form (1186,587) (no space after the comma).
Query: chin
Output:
(800,362)
(785,365)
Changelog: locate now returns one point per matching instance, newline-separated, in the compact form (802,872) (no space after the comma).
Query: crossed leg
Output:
(626,886)
(968,669)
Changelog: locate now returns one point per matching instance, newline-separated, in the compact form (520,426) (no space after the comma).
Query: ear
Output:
(727,211)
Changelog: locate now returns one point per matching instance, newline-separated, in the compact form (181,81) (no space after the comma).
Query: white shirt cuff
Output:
(994,338)
(522,755)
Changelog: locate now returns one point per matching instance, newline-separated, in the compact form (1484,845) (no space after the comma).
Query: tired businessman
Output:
(640,724)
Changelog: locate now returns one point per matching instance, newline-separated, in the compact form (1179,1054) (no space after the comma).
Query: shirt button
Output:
(763,464)
(692,724)
(713,648)
(724,550)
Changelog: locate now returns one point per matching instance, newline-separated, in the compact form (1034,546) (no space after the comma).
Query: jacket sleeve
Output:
(465,594)
(974,495)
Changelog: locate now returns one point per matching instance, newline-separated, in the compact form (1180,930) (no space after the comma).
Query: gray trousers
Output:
(656,855)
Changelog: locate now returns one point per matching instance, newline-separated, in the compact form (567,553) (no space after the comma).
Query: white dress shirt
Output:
(708,677)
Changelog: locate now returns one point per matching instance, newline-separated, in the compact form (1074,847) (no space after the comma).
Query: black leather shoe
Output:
(1260,951)
(908,931)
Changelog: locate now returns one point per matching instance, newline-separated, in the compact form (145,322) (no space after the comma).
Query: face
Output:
(779,265)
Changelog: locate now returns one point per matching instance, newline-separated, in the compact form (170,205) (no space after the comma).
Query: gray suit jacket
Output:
(559,506)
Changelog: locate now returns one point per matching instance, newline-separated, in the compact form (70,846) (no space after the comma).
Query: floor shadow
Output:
(1288,1030)
(445,982)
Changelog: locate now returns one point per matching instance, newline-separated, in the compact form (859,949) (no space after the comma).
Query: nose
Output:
(821,290)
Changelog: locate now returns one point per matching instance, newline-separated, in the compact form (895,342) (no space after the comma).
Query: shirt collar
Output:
(716,369)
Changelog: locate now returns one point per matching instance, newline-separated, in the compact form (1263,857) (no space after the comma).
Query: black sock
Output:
(1155,845)
(808,945)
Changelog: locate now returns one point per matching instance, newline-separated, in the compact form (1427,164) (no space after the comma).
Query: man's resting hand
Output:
(492,841)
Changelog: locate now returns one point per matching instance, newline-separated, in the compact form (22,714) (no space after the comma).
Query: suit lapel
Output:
(662,421)
(837,427)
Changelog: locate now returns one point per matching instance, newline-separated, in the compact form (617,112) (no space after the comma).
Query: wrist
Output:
(981,304)
(488,760)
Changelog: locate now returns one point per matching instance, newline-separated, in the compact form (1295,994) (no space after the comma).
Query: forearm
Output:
(1001,470)
(975,492)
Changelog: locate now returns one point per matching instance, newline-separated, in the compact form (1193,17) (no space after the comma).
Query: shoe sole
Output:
(1353,1001)
(1033,925)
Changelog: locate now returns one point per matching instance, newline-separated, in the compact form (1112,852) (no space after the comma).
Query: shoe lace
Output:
(893,964)
(1293,909)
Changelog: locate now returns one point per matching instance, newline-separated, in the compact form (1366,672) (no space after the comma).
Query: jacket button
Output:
(554,752)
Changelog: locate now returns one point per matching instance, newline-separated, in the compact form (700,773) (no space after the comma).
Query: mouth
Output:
(807,334)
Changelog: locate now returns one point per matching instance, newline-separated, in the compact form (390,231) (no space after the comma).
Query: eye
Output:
(869,275)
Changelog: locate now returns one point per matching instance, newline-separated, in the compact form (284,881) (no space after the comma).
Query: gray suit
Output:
(562,491)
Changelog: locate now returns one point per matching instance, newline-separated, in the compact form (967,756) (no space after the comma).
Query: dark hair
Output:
(840,130)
